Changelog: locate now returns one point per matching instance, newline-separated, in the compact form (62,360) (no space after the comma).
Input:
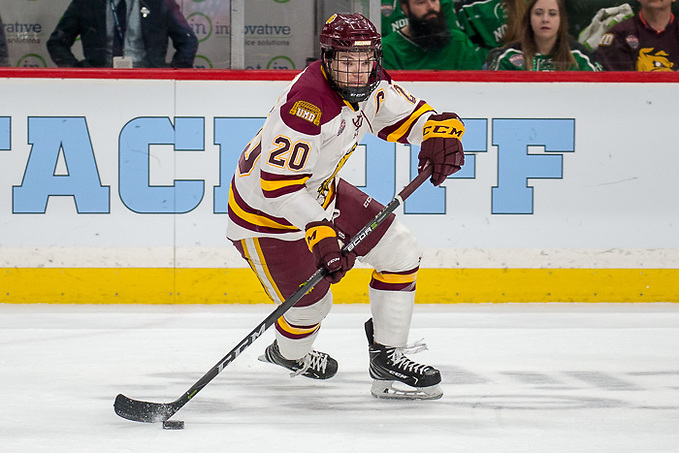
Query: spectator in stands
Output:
(603,20)
(4,54)
(491,23)
(649,41)
(123,33)
(545,44)
(427,42)
(393,17)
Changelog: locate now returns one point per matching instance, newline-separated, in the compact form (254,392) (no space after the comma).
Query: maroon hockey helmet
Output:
(351,33)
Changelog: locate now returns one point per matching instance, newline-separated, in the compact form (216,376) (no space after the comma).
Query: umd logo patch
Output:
(307,111)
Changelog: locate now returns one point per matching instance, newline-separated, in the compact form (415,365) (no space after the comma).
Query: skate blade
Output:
(387,390)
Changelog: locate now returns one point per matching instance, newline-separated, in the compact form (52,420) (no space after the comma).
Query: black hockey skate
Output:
(389,366)
(314,365)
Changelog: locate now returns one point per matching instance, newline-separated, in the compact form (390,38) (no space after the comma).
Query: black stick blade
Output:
(142,411)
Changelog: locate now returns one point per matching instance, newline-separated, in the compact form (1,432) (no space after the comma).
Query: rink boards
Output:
(239,286)
(114,188)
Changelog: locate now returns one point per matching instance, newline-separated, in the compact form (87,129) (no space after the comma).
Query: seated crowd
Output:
(527,35)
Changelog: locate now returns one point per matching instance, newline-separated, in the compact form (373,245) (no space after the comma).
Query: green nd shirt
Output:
(513,59)
(485,22)
(402,53)
(394,19)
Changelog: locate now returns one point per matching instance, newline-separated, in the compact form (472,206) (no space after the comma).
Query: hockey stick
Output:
(149,412)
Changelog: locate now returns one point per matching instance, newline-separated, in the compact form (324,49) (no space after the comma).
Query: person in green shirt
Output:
(544,43)
(393,17)
(427,42)
(491,23)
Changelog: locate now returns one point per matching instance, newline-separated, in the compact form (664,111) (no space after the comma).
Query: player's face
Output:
(545,20)
(352,69)
(424,9)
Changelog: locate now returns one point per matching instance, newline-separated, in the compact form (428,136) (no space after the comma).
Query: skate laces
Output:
(315,360)
(398,358)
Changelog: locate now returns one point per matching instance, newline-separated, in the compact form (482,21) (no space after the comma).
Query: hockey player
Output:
(288,210)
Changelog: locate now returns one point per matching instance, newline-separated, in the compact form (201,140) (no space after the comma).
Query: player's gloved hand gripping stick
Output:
(441,145)
(149,412)
(321,237)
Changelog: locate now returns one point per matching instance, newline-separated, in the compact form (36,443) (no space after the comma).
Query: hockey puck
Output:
(173,424)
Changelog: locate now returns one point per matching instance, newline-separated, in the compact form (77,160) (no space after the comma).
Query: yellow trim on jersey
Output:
(326,186)
(405,127)
(256,219)
(329,197)
(395,278)
(270,186)
(283,324)
(348,104)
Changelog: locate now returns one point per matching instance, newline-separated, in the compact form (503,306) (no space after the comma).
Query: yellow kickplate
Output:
(240,286)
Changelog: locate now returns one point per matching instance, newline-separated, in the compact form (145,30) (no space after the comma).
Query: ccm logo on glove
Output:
(436,126)
(441,146)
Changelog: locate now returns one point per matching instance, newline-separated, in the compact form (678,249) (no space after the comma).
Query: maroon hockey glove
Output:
(321,238)
(441,145)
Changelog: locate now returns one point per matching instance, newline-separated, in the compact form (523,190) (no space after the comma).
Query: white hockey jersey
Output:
(286,174)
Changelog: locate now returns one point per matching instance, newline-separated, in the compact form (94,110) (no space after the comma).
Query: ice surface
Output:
(516,378)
